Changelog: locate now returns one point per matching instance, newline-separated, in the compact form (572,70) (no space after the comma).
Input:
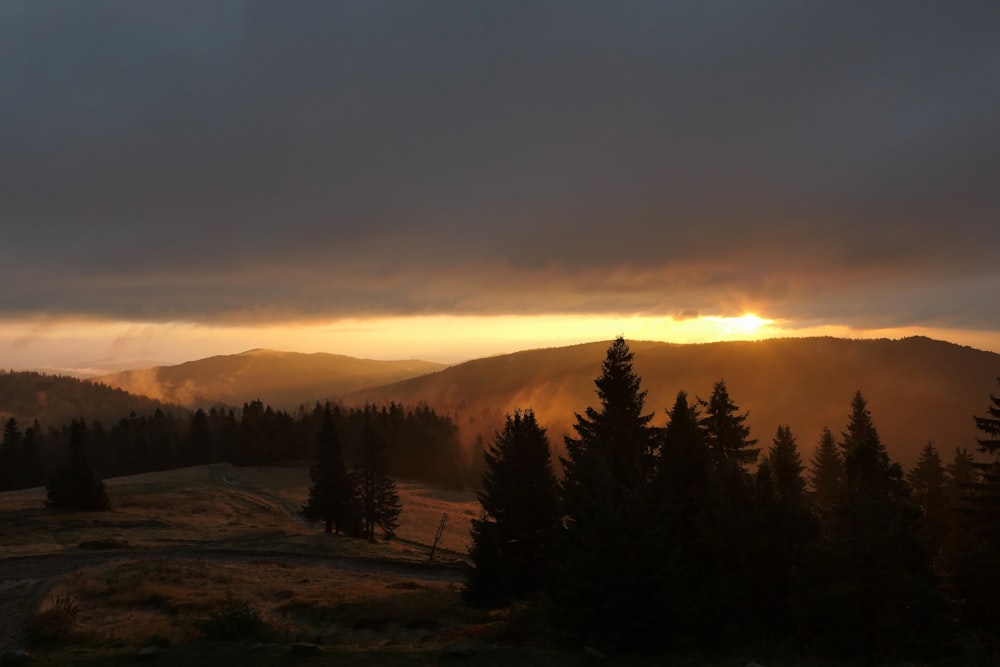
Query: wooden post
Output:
(437,535)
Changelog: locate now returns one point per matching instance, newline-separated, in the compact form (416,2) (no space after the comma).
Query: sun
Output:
(747,324)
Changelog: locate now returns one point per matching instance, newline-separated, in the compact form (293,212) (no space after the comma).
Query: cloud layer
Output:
(249,162)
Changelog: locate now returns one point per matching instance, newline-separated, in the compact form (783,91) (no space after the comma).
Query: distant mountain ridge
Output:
(281,379)
(54,400)
(918,389)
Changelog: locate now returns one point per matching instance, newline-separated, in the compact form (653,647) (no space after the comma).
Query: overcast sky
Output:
(246,163)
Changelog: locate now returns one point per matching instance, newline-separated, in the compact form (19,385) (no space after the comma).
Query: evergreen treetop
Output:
(786,467)
(827,470)
(511,541)
(989,442)
(617,438)
(726,432)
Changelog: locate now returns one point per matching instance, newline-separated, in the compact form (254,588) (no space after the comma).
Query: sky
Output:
(447,180)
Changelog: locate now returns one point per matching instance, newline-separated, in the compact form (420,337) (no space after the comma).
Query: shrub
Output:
(236,620)
(55,625)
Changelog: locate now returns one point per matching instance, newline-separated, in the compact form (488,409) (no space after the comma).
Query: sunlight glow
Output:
(97,347)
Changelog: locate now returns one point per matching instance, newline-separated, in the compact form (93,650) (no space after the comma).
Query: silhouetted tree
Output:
(333,497)
(784,523)
(929,485)
(31,458)
(520,511)
(10,456)
(867,585)
(826,473)
(726,432)
(786,468)
(380,501)
(977,575)
(74,485)
(606,569)
(684,488)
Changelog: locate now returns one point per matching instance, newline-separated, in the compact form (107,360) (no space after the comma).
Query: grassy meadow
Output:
(214,561)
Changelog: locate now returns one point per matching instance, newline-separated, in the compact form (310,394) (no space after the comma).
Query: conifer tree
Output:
(684,470)
(11,460)
(786,468)
(333,497)
(74,485)
(31,460)
(685,491)
(929,485)
(989,426)
(784,524)
(520,511)
(827,471)
(616,439)
(726,431)
(867,585)
(379,499)
(977,576)
(605,571)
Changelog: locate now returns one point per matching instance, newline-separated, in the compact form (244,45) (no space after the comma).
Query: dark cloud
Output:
(243,160)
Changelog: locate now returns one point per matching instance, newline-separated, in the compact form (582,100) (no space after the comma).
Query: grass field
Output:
(211,555)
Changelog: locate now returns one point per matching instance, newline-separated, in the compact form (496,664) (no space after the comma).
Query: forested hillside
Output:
(56,399)
(922,389)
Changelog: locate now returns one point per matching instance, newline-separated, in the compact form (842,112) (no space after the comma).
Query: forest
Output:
(698,535)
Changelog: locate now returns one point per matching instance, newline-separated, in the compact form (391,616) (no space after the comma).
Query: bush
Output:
(55,625)
(236,620)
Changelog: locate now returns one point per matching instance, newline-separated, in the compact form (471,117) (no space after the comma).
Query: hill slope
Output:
(918,389)
(280,379)
(54,400)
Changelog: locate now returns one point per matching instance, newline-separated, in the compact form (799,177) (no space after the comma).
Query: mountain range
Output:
(918,389)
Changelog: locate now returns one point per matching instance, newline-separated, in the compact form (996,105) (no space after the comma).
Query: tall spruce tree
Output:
(929,485)
(685,490)
(333,497)
(786,468)
(379,499)
(726,431)
(826,472)
(520,512)
(11,459)
(867,585)
(977,575)
(606,575)
(75,486)
(784,523)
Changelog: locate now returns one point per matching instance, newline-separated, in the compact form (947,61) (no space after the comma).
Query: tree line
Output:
(694,534)
(419,443)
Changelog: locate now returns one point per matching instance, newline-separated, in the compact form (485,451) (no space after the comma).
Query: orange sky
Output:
(89,347)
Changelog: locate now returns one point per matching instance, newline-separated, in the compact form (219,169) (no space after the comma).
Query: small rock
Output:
(305,648)
(148,652)
(594,653)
